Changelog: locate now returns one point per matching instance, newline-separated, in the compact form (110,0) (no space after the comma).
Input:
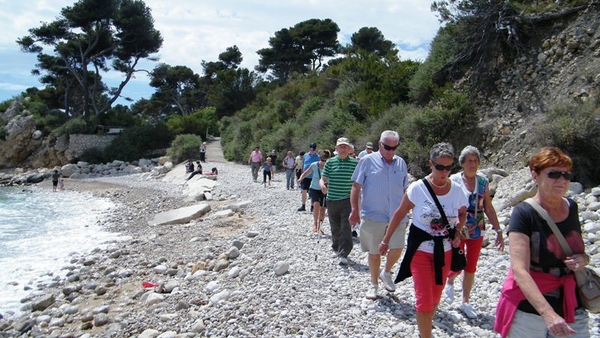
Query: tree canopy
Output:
(299,49)
(88,39)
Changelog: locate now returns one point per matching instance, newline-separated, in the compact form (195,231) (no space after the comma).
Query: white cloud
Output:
(196,30)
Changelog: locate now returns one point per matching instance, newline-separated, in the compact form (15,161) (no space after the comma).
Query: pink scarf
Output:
(511,296)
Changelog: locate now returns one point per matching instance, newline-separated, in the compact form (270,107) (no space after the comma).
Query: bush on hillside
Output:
(576,130)
(93,155)
(183,147)
(136,142)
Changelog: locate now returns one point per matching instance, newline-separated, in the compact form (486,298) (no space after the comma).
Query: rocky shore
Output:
(251,267)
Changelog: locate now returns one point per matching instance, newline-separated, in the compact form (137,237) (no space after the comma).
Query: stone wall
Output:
(78,143)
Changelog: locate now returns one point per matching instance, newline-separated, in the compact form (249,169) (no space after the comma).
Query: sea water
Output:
(40,231)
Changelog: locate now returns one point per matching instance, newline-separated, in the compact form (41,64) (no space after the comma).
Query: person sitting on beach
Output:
(189,167)
(197,171)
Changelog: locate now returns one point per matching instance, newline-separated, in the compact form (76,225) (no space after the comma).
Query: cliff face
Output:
(560,68)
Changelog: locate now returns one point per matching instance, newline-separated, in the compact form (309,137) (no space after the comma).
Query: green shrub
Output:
(136,142)
(94,155)
(184,146)
(575,129)
(78,125)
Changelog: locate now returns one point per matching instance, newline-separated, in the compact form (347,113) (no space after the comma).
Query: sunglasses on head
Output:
(567,175)
(443,167)
(386,147)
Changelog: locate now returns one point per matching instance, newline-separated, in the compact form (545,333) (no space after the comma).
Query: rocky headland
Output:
(247,265)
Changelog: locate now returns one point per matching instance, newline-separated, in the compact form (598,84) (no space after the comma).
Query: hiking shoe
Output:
(302,208)
(388,284)
(343,261)
(449,293)
(468,310)
(372,292)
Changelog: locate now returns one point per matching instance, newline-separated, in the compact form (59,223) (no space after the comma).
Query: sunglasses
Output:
(386,147)
(443,167)
(556,174)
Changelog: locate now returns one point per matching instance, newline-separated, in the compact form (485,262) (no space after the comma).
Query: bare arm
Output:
(399,214)
(490,212)
(520,256)
(305,173)
(355,213)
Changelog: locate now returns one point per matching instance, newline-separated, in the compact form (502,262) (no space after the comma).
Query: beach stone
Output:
(168,334)
(149,333)
(252,234)
(281,267)
(219,297)
(594,206)
(198,326)
(238,244)
(221,264)
(596,191)
(234,272)
(575,188)
(161,269)
(233,252)
(153,298)
(211,287)
(101,319)
(42,303)
(181,215)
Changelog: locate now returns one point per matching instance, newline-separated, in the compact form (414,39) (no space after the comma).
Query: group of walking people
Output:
(538,298)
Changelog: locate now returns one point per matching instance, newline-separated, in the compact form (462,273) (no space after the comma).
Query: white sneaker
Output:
(468,310)
(372,292)
(449,293)
(388,284)
(343,261)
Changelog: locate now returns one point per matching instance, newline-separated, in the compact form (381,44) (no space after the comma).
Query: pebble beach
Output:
(251,267)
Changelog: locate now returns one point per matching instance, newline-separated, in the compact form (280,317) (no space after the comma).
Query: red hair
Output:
(549,157)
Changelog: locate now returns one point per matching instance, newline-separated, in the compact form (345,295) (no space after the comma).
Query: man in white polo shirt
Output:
(380,180)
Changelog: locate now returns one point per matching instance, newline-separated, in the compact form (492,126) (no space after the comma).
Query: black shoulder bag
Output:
(459,261)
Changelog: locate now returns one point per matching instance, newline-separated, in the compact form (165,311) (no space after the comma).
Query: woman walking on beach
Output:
(316,195)
(476,188)
(539,296)
(432,235)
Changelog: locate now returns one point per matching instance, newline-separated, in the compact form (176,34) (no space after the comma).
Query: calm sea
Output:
(40,231)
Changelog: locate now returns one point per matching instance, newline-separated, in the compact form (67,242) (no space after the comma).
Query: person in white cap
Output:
(336,182)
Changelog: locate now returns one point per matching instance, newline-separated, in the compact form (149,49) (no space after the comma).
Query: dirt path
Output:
(214,153)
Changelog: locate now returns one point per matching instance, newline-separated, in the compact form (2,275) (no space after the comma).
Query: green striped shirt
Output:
(339,177)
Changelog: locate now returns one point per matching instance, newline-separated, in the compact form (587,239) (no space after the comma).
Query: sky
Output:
(197,30)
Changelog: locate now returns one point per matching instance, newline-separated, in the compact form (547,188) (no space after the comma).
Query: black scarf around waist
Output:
(417,236)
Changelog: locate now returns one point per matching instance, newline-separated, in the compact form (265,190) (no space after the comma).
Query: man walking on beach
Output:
(308,158)
(255,161)
(380,180)
(336,182)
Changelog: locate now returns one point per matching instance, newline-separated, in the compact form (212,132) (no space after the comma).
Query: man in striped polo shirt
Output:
(336,182)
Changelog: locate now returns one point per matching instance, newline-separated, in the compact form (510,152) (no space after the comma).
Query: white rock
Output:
(219,297)
(281,267)
(211,287)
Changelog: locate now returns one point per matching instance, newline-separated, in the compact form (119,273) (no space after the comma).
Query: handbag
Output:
(588,281)
(459,260)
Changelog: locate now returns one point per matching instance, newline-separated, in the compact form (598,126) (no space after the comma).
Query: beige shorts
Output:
(371,234)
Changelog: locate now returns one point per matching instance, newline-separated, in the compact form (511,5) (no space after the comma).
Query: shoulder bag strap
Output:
(561,239)
(439,206)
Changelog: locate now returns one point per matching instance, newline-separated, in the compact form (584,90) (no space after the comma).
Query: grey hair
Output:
(389,135)
(441,150)
(468,150)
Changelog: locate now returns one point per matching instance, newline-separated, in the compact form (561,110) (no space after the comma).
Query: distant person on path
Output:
(273,161)
(299,164)
(380,180)
(289,163)
(255,161)
(476,188)
(203,152)
(368,150)
(539,297)
(428,255)
(317,197)
(198,171)
(336,183)
(55,177)
(267,169)
(308,158)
